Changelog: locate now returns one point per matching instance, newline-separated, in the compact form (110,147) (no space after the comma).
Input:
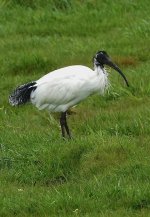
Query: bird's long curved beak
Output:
(114,66)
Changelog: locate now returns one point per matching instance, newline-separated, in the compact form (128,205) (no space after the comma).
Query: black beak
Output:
(114,66)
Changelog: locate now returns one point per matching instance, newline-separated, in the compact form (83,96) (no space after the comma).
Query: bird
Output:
(64,88)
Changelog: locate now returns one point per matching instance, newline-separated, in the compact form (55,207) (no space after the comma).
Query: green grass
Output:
(105,170)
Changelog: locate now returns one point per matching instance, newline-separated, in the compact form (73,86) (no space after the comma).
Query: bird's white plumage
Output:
(63,88)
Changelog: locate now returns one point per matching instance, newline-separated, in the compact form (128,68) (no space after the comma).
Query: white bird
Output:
(64,88)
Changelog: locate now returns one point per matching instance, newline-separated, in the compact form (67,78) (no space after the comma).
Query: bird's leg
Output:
(64,126)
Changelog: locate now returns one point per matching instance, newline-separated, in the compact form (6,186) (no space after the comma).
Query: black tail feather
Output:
(21,94)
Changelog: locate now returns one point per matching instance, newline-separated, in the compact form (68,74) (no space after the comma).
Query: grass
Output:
(104,171)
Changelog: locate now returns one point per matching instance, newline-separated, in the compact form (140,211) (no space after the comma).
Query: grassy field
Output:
(105,170)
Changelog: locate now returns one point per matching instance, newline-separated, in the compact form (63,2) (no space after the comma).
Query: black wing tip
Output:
(21,94)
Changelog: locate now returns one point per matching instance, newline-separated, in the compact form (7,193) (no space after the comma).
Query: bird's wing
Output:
(69,88)
(76,70)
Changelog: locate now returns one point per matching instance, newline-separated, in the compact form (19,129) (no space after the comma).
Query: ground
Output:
(105,169)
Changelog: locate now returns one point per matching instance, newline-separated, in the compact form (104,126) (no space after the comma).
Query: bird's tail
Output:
(21,94)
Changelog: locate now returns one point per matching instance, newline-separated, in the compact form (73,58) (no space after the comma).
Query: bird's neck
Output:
(99,69)
(103,78)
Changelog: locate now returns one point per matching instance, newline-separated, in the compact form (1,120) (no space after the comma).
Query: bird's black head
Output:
(102,58)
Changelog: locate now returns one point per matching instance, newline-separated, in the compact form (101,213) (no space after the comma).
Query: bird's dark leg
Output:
(64,126)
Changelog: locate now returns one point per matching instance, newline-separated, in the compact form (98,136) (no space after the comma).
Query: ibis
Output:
(64,88)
